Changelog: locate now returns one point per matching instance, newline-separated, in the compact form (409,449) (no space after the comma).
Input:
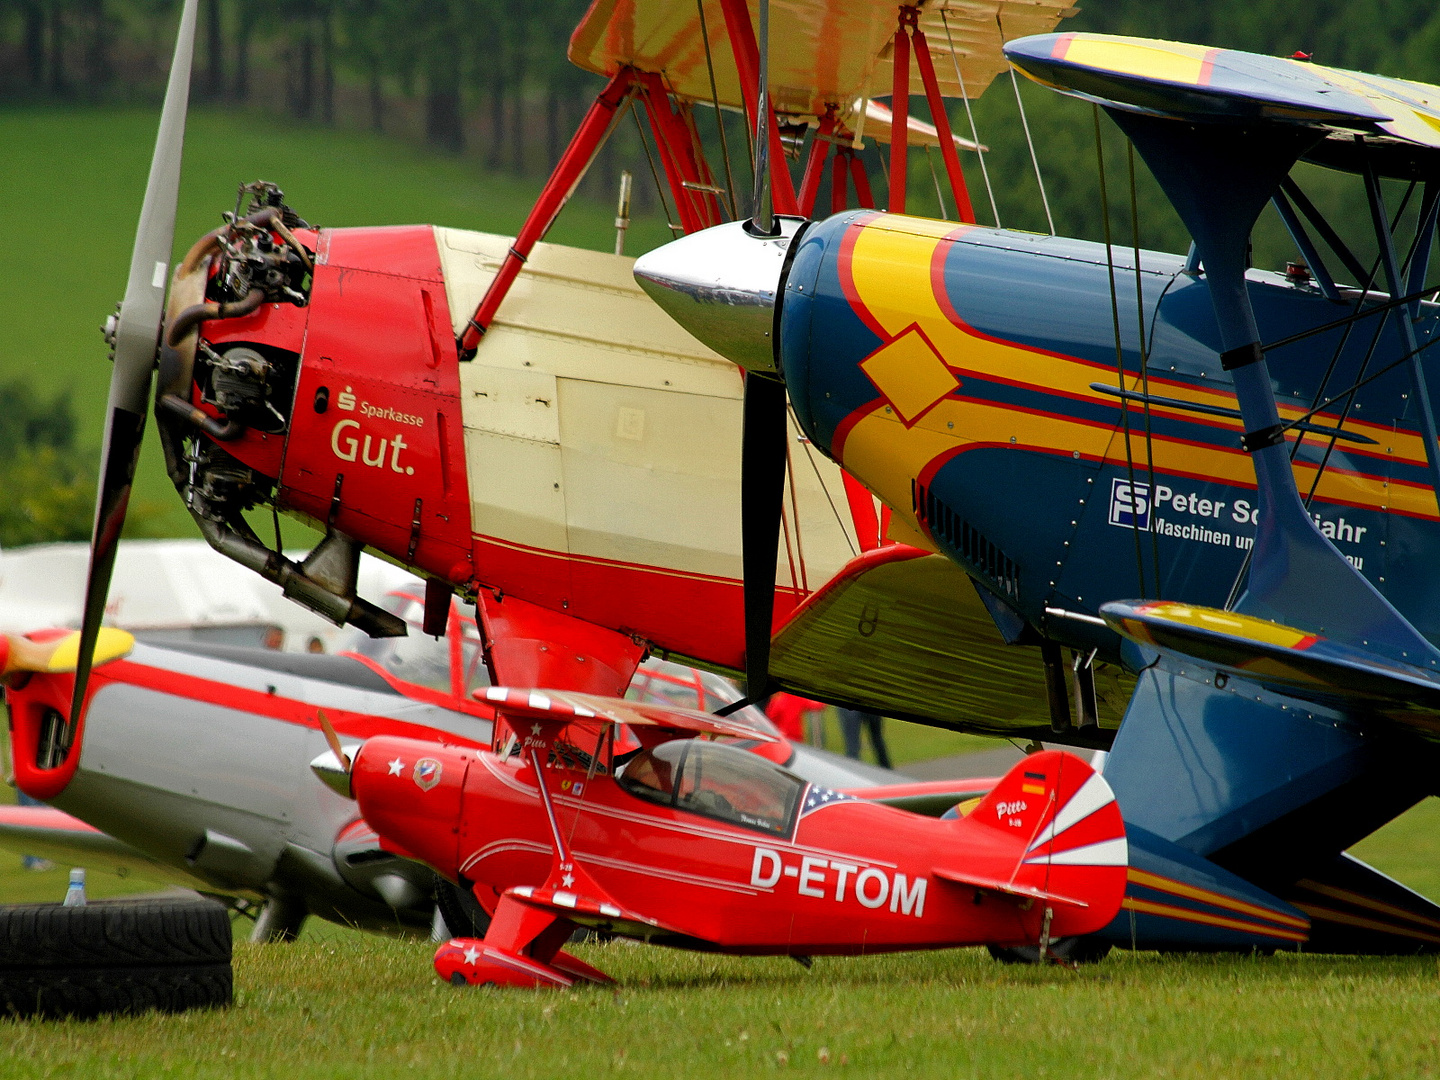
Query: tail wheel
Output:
(114,956)
(1070,950)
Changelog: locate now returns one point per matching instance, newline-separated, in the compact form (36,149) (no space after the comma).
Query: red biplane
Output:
(694,843)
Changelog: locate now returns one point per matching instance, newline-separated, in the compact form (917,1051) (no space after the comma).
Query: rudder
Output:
(1051,827)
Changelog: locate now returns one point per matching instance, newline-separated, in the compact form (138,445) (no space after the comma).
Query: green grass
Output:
(375,1008)
(73,181)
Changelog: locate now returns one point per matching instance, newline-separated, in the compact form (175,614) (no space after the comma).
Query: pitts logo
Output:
(871,887)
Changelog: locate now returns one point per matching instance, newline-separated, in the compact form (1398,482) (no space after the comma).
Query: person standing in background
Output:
(851,721)
(790,713)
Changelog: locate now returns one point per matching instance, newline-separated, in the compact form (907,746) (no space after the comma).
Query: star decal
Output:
(568,880)
(397,767)
(819,798)
(534,729)
(471,955)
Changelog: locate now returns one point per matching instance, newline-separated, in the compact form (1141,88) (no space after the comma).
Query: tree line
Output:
(490,78)
(464,71)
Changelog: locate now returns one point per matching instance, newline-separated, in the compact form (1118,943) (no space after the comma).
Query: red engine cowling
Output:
(336,398)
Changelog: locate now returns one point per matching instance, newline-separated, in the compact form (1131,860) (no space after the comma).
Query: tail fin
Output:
(1049,831)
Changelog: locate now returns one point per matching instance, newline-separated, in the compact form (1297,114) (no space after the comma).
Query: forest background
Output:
(485,84)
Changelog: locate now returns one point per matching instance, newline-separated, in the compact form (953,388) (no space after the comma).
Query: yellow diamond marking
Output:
(909,373)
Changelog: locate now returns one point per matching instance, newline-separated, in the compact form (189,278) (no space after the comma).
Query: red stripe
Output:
(847,280)
(937,274)
(843,429)
(1207,69)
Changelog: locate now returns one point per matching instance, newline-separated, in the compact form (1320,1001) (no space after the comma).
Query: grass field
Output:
(373,1007)
(73,181)
(342,1003)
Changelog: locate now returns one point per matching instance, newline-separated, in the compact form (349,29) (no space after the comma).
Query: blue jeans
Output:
(851,721)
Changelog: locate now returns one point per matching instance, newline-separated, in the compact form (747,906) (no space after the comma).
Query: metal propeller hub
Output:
(721,284)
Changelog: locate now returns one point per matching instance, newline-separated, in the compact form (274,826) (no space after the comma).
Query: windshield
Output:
(715,781)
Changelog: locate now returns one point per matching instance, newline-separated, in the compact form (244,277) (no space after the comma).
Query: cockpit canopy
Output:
(716,781)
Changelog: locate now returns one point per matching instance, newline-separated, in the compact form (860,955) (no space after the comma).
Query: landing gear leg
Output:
(280,920)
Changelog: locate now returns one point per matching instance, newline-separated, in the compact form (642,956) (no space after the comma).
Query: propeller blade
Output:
(137,335)
(19,654)
(764,218)
(762,501)
(333,740)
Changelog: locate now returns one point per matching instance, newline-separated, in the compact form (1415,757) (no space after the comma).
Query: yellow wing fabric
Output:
(1192,82)
(822,52)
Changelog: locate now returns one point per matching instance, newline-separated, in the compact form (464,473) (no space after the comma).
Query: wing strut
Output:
(1219,178)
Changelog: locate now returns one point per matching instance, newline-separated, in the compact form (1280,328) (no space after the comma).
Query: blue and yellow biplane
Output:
(1253,455)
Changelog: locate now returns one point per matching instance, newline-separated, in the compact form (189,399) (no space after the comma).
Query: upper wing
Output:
(1192,82)
(822,52)
(593,713)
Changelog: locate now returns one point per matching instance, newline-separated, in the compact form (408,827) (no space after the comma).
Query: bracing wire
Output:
(675,230)
(970,115)
(835,510)
(1119,347)
(936,177)
(1144,354)
(1030,142)
(804,582)
(719,119)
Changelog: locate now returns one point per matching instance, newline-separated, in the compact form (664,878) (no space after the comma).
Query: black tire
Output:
(114,956)
(85,993)
(157,932)
(1070,950)
(463,915)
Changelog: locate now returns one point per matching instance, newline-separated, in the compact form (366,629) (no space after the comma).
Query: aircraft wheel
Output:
(1071,950)
(114,956)
(464,917)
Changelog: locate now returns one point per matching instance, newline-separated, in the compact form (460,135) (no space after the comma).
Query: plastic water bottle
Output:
(75,894)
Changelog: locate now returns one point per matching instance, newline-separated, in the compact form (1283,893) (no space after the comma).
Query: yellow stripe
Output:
(1168,61)
(1327,915)
(1364,901)
(1190,892)
(1033,789)
(891,272)
(1146,907)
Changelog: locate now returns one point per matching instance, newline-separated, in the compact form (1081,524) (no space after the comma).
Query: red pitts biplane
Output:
(695,843)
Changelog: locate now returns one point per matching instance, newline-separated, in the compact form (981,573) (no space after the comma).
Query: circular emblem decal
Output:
(427,773)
